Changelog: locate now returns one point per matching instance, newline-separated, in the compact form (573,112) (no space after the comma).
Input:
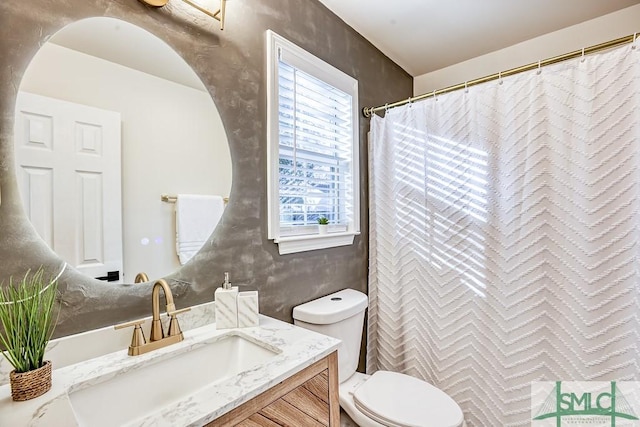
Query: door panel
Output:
(39,202)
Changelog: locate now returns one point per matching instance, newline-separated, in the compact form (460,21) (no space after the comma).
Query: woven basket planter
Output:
(29,385)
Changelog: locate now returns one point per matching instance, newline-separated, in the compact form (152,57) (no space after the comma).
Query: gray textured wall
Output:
(231,64)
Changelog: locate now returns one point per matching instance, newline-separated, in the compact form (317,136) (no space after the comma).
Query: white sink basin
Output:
(149,388)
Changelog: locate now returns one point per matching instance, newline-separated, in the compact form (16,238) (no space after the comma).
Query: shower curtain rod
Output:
(368,111)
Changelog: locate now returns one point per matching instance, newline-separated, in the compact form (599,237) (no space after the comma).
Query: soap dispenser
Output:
(226,301)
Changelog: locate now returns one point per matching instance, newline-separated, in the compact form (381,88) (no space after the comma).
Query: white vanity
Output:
(213,377)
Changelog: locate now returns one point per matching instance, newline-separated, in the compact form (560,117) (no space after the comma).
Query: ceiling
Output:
(419,35)
(426,35)
(128,45)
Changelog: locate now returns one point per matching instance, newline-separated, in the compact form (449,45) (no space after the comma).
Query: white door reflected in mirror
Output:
(173,140)
(68,167)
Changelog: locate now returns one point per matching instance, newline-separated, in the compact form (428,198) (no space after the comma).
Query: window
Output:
(312,150)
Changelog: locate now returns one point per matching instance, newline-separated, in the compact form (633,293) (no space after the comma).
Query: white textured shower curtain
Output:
(505,235)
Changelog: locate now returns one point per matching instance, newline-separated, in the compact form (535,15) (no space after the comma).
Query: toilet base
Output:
(346,401)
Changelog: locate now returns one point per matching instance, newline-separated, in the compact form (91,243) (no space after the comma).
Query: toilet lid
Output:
(398,400)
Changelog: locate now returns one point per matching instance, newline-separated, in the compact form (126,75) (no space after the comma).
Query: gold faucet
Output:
(141,277)
(156,324)
(157,338)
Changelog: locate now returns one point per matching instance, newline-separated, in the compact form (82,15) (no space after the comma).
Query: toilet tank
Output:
(339,315)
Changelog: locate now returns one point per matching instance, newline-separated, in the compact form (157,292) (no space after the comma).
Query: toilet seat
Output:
(397,400)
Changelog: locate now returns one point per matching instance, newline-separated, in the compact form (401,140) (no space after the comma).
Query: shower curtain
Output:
(505,235)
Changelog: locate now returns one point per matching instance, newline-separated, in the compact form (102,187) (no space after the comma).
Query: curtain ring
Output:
(409,101)
(539,67)
(386,107)
(499,77)
(466,88)
(583,58)
(434,95)
(633,43)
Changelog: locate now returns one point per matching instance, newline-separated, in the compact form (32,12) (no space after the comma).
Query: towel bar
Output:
(172,199)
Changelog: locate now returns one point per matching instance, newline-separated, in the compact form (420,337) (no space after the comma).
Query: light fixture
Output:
(215,14)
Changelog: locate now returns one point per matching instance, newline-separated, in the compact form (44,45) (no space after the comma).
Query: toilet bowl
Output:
(384,399)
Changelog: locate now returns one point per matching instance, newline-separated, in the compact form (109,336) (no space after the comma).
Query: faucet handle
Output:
(128,324)
(174,326)
(176,312)
(138,339)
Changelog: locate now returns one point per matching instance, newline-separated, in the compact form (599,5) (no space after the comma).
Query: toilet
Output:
(384,399)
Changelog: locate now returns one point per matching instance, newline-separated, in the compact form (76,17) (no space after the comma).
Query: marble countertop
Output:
(297,349)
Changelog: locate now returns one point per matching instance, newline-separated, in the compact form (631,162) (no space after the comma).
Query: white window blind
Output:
(313,147)
(315,140)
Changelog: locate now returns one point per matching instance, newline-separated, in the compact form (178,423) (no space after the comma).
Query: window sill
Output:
(312,242)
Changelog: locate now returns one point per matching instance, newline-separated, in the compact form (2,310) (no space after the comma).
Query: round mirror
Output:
(108,120)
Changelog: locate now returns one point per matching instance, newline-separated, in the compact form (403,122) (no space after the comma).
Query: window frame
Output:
(308,63)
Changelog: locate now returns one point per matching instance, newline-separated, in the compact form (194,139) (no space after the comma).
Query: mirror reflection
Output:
(108,119)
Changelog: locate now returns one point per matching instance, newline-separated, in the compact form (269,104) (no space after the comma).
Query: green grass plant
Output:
(323,220)
(26,316)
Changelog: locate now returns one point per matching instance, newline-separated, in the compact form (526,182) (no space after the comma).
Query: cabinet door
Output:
(306,399)
(305,406)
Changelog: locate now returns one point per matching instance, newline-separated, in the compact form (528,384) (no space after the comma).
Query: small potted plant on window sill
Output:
(26,317)
(323,225)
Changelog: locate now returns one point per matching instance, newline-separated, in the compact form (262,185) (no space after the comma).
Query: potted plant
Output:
(323,224)
(26,317)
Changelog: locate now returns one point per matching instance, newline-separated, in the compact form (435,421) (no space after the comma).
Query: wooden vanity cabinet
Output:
(306,399)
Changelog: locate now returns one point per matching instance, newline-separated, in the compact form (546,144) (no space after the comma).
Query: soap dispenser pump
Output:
(226,301)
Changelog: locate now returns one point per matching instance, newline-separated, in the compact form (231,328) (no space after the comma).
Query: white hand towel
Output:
(196,218)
